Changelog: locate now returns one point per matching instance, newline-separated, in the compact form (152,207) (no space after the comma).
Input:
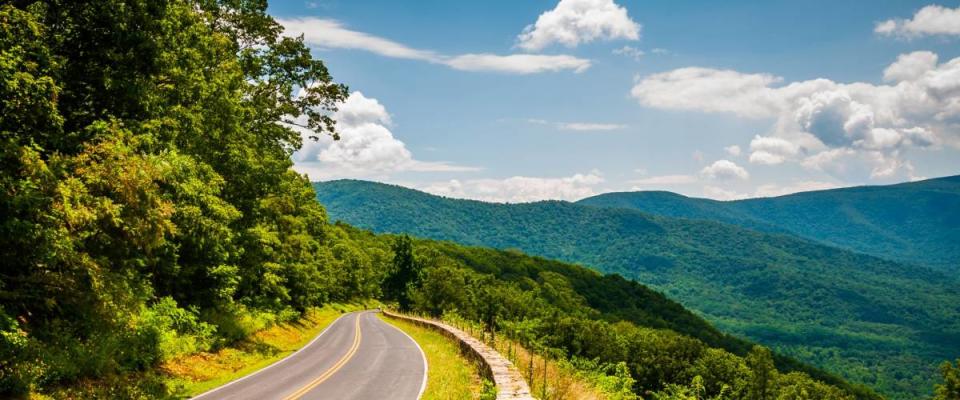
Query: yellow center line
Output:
(336,367)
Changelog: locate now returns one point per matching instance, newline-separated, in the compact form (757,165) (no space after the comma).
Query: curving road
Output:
(358,357)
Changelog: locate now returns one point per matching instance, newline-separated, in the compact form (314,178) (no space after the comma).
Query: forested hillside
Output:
(148,211)
(558,308)
(915,222)
(874,321)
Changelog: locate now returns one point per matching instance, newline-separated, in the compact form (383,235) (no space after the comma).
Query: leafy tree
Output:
(443,289)
(950,388)
(763,375)
(405,274)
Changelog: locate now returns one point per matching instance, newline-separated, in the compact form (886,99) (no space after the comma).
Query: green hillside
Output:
(581,313)
(916,222)
(874,321)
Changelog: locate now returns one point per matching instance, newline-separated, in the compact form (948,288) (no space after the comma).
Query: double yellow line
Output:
(336,367)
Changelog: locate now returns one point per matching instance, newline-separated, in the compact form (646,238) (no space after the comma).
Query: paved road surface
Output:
(358,357)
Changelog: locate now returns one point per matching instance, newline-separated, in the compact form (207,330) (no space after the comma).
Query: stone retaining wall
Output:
(509,382)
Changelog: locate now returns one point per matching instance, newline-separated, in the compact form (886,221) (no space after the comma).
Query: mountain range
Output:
(807,274)
(917,222)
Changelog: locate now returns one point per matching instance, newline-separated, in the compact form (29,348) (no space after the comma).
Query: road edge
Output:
(426,370)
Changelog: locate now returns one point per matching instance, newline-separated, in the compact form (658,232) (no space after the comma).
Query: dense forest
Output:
(843,311)
(574,312)
(149,210)
(914,222)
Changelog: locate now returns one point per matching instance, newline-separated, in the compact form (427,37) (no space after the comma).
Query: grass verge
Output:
(450,376)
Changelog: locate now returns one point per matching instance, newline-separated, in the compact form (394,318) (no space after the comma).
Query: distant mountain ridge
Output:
(915,222)
(874,321)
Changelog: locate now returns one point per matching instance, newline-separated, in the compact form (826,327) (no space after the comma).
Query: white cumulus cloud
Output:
(910,66)
(331,34)
(733,150)
(724,170)
(928,21)
(710,90)
(366,147)
(771,150)
(573,22)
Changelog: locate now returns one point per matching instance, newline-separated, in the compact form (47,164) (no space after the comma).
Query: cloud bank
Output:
(820,122)
(519,189)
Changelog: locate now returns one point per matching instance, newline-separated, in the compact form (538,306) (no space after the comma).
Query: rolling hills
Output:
(878,322)
(915,222)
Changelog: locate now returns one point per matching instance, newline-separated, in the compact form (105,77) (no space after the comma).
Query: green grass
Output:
(450,376)
(197,373)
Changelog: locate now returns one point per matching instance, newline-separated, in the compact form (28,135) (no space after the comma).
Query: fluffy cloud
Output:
(919,108)
(733,150)
(910,66)
(710,90)
(771,150)
(573,22)
(367,146)
(519,189)
(331,34)
(724,170)
(930,20)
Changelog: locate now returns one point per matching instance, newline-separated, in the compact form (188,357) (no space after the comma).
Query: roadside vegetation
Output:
(192,374)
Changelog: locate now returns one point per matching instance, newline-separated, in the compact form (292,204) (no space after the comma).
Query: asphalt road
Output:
(358,357)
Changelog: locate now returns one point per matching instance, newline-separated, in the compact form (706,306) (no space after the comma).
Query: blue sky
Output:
(529,100)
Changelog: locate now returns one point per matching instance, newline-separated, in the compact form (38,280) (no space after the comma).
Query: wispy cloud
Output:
(589,126)
(630,51)
(665,180)
(331,34)
(578,126)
